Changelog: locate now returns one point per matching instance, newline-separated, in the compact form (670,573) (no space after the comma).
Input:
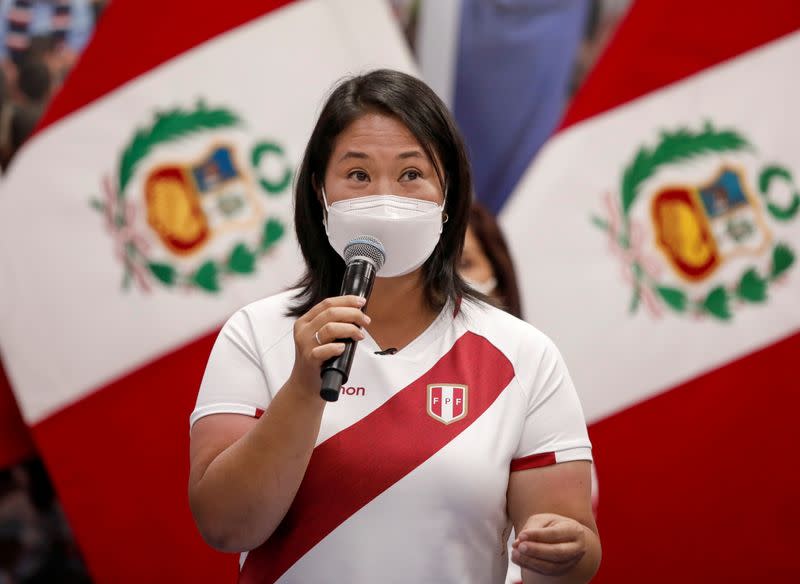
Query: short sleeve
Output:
(554,428)
(234,381)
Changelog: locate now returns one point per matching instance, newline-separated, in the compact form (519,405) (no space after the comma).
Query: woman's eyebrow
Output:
(354,154)
(411,154)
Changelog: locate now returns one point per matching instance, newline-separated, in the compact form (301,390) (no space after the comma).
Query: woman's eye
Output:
(359,175)
(412,175)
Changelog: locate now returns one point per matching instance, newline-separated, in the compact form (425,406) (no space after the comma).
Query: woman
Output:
(454,415)
(486,262)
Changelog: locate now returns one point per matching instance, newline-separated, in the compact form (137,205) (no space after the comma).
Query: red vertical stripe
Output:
(436,401)
(458,401)
(346,472)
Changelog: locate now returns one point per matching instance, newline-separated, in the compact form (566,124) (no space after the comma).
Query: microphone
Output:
(364,256)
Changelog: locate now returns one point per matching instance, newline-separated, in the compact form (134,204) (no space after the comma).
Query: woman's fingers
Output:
(327,351)
(339,314)
(542,566)
(333,331)
(558,553)
(318,333)
(352,301)
(554,533)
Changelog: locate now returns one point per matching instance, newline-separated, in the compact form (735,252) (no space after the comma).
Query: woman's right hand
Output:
(316,332)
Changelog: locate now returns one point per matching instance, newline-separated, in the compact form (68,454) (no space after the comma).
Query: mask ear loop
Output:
(445,216)
(325,210)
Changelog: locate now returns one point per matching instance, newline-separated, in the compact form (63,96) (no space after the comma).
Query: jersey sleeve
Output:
(554,428)
(234,381)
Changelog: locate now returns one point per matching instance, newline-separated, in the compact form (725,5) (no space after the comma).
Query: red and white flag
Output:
(153,202)
(657,237)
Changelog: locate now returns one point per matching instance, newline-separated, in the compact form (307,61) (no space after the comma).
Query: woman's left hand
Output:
(549,544)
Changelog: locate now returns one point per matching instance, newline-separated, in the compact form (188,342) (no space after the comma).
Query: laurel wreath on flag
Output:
(627,235)
(132,247)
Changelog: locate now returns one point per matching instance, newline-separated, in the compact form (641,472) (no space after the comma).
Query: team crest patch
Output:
(447,403)
(191,202)
(698,223)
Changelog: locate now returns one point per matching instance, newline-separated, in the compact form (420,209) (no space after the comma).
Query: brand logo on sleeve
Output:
(447,403)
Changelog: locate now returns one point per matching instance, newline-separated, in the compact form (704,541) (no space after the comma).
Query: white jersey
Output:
(408,478)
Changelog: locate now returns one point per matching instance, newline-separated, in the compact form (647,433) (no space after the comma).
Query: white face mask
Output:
(486,287)
(408,228)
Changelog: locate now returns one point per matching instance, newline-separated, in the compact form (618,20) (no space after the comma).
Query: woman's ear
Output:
(320,198)
(317,189)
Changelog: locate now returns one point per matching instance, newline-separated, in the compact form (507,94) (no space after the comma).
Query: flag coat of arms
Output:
(657,237)
(153,202)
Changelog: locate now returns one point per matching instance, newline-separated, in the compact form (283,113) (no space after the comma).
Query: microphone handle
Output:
(359,275)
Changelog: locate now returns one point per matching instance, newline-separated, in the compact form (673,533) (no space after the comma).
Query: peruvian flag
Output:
(154,201)
(657,236)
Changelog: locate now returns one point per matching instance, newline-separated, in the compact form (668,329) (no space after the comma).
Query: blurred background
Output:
(635,166)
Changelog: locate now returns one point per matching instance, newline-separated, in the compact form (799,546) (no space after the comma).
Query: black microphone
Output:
(364,256)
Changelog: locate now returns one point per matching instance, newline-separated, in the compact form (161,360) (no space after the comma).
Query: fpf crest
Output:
(447,403)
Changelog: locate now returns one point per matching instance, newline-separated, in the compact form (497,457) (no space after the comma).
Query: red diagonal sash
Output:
(354,466)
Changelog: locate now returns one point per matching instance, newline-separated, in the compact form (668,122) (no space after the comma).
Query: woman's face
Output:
(378,155)
(475,265)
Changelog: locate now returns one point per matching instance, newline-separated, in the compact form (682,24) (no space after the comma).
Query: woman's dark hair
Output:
(415,105)
(488,234)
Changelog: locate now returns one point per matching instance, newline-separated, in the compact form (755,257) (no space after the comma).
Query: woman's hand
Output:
(549,544)
(316,332)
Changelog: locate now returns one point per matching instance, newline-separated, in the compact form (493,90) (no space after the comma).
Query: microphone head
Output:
(368,247)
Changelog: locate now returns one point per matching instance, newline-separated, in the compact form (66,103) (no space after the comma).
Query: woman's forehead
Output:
(372,132)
